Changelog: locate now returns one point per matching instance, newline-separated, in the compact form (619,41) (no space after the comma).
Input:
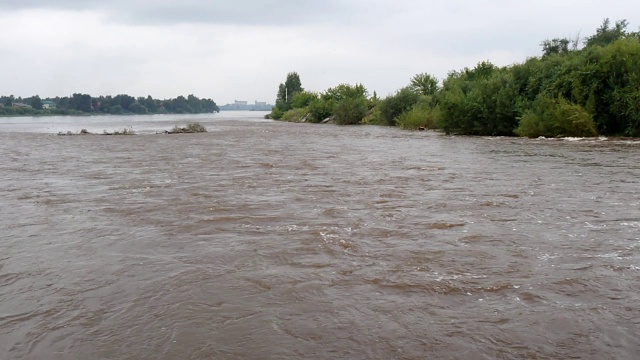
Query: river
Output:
(270,240)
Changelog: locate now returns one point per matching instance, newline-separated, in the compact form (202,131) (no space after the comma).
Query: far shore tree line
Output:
(83,104)
(576,87)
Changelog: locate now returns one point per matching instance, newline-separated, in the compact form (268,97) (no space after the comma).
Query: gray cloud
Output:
(243,49)
(249,12)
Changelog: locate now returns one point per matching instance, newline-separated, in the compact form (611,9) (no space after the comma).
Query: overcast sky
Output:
(242,49)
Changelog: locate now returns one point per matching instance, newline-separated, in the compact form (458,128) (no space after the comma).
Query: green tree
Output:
(350,111)
(8,101)
(36,102)
(320,109)
(607,34)
(286,92)
(479,101)
(115,109)
(81,102)
(344,91)
(424,84)
(124,101)
(149,103)
(302,99)
(137,108)
(393,106)
(556,117)
(291,86)
(557,46)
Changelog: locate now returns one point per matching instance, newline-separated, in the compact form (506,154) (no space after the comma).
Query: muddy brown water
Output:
(267,240)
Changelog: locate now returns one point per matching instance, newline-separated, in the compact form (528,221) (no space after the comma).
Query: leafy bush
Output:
(276,113)
(556,117)
(295,115)
(115,109)
(373,117)
(424,114)
(424,84)
(344,91)
(393,106)
(190,128)
(482,101)
(320,109)
(350,111)
(303,99)
(196,128)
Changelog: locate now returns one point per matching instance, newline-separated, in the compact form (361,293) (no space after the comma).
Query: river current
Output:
(269,240)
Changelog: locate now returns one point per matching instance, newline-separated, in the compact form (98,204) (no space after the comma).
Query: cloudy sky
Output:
(242,49)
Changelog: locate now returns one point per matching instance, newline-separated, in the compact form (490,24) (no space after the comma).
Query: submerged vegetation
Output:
(124,131)
(84,104)
(575,88)
(189,129)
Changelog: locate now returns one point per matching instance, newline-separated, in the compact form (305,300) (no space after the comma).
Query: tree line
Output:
(79,104)
(574,88)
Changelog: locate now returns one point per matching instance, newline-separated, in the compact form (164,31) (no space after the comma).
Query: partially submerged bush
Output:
(350,111)
(276,113)
(554,118)
(104,132)
(320,109)
(373,117)
(303,99)
(120,132)
(393,106)
(295,115)
(423,115)
(189,129)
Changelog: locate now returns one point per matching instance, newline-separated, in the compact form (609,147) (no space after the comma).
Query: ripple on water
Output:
(299,241)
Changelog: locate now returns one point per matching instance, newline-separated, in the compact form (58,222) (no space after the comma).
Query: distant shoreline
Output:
(99,114)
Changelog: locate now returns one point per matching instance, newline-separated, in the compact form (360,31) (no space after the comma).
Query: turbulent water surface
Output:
(268,240)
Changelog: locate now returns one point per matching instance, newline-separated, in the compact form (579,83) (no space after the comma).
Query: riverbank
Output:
(585,90)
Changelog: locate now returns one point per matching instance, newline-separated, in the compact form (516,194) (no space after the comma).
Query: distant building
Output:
(20,105)
(245,106)
(48,104)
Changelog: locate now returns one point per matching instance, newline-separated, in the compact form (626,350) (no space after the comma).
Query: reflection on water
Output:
(265,240)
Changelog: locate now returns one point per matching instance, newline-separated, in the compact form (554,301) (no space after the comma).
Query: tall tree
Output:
(424,84)
(36,102)
(9,100)
(555,46)
(290,87)
(81,102)
(606,34)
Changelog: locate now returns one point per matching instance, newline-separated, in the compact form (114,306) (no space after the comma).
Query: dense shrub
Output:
(295,115)
(344,91)
(394,105)
(424,114)
(320,109)
(303,99)
(481,101)
(350,111)
(276,113)
(373,117)
(556,117)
